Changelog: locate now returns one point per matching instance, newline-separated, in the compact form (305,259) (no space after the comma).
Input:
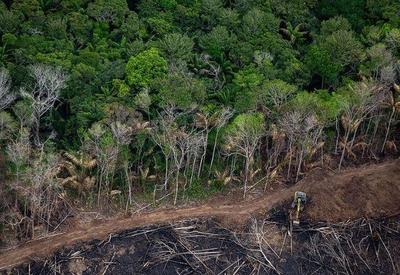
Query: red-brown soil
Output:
(370,191)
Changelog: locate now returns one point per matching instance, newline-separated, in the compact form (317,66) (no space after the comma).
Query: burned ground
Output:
(265,247)
(351,225)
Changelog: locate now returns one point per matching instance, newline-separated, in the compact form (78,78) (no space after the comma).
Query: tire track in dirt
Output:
(46,246)
(43,247)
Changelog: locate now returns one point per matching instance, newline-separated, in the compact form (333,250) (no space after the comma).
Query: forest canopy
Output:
(105,98)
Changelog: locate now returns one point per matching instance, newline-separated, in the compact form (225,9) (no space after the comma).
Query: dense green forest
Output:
(114,101)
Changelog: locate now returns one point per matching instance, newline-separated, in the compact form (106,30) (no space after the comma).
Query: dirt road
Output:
(346,193)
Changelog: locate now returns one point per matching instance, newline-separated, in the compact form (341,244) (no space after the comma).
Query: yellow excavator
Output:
(300,199)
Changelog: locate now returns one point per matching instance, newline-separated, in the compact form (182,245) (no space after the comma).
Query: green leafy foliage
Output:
(218,41)
(143,68)
(324,104)
(176,46)
(181,90)
(319,61)
(246,124)
(215,71)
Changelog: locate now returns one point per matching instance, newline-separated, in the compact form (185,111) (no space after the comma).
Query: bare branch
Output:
(6,97)
(48,82)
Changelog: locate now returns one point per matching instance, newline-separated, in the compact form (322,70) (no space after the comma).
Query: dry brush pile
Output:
(263,247)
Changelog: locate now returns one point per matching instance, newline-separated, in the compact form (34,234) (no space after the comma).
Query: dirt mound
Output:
(371,191)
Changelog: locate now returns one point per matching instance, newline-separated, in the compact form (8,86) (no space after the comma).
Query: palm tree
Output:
(293,34)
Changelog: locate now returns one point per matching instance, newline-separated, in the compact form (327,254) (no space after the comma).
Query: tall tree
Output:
(6,96)
(44,92)
(242,138)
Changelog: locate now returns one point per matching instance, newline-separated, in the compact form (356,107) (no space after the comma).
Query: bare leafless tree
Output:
(162,130)
(222,118)
(243,139)
(8,126)
(213,70)
(180,151)
(303,131)
(122,135)
(6,96)
(19,151)
(196,148)
(41,189)
(202,121)
(105,151)
(364,99)
(277,96)
(181,145)
(44,93)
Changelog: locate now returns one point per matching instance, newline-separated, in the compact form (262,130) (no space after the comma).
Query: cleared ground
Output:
(372,191)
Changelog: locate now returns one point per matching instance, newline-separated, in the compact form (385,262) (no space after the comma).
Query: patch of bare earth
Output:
(370,191)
